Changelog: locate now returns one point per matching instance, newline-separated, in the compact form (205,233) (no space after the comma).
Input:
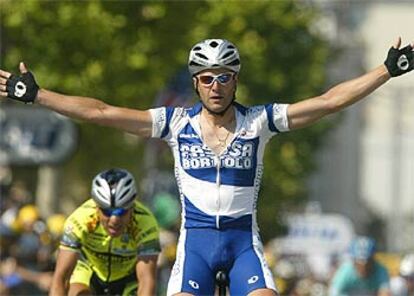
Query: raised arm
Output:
(306,112)
(88,109)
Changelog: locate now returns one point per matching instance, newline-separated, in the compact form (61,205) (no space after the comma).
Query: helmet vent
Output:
(234,63)
(123,194)
(228,54)
(201,56)
(213,54)
(192,63)
(114,188)
(213,44)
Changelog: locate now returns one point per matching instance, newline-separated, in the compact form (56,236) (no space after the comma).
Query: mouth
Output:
(216,97)
(114,230)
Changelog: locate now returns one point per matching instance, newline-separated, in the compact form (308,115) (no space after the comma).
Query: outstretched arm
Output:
(88,109)
(308,111)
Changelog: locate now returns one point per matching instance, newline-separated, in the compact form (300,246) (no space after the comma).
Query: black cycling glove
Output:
(22,88)
(400,61)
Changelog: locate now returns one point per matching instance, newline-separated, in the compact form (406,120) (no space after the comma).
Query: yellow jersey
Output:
(111,258)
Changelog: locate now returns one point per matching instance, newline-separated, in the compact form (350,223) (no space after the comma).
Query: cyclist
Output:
(363,275)
(109,243)
(218,147)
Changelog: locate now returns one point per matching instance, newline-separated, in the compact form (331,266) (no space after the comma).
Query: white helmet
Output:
(114,188)
(407,265)
(212,54)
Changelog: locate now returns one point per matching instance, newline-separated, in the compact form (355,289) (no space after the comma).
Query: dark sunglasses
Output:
(222,78)
(118,212)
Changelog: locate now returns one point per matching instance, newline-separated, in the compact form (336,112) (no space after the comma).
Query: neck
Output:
(222,119)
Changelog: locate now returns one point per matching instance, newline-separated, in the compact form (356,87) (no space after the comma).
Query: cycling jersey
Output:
(110,258)
(219,192)
(347,281)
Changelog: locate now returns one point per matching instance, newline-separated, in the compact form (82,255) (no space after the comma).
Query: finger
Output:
(397,43)
(2,87)
(22,68)
(3,81)
(5,74)
(3,94)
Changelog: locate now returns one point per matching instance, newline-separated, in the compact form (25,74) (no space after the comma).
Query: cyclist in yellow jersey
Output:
(109,243)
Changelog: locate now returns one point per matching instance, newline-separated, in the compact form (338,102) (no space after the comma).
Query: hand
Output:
(8,266)
(400,61)
(21,88)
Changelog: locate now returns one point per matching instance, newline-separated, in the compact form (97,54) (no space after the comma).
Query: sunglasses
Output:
(222,78)
(118,212)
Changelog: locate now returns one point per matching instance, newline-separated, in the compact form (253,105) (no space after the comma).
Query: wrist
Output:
(384,72)
(40,95)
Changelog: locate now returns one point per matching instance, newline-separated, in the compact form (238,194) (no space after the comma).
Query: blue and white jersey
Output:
(219,191)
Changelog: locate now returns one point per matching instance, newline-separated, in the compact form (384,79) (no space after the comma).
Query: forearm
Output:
(308,111)
(72,106)
(146,287)
(92,110)
(59,286)
(349,92)
(27,275)
(146,271)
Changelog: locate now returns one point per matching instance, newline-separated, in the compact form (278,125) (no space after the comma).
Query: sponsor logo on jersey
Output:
(253,279)
(194,284)
(198,156)
(188,136)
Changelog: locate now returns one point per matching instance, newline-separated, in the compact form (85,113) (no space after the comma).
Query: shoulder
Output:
(77,226)
(143,216)
(84,210)
(264,110)
(344,271)
(82,217)
(146,226)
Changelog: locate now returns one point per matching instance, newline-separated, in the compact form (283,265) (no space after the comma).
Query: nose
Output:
(215,84)
(113,220)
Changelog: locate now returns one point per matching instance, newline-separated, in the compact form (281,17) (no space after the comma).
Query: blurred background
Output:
(350,174)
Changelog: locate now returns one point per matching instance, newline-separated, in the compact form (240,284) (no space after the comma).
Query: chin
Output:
(114,233)
(218,110)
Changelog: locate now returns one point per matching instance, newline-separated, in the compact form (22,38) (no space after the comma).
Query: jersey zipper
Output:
(109,260)
(218,192)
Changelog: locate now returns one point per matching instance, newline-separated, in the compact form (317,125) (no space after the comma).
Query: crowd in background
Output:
(29,244)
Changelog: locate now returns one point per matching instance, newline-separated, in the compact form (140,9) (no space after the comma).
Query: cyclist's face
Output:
(363,267)
(115,225)
(216,88)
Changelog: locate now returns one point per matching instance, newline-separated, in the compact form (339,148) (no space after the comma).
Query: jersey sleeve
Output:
(277,117)
(161,119)
(72,234)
